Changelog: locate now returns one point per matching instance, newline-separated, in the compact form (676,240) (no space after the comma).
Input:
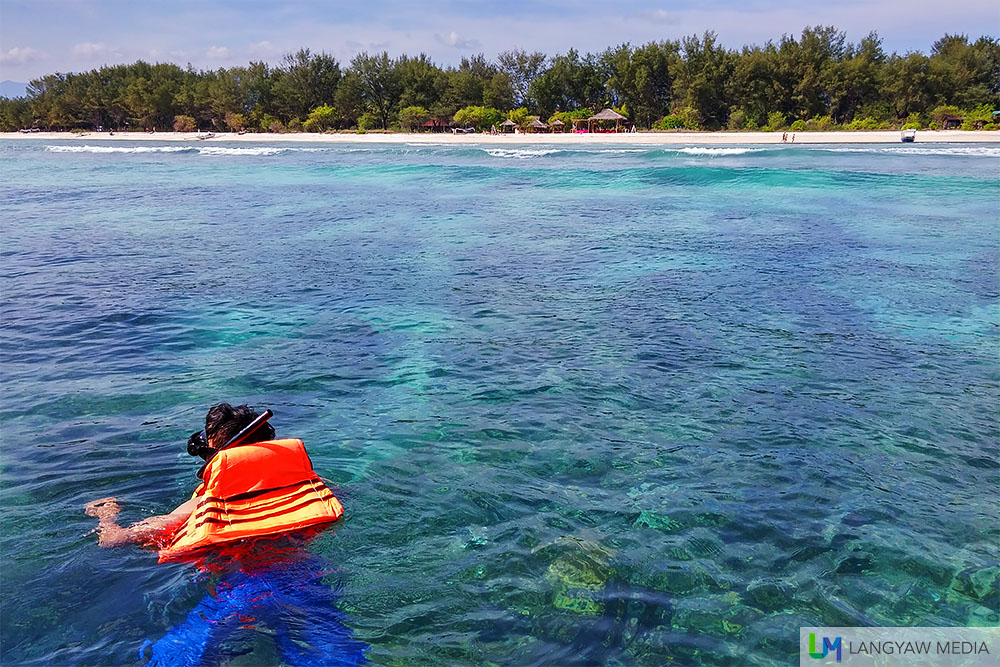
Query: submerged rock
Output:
(651,519)
(578,576)
(983,617)
(716,615)
(676,578)
(980,585)
(770,596)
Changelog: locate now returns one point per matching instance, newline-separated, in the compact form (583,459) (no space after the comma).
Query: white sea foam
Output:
(702,150)
(967,151)
(118,149)
(521,153)
(201,150)
(255,150)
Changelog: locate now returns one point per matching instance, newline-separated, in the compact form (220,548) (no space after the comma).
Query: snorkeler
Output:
(252,486)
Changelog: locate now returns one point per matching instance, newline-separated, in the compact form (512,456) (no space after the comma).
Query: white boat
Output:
(206,135)
(908,136)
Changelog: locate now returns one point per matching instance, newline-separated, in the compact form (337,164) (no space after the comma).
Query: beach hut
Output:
(507,126)
(538,126)
(557,125)
(605,116)
(434,125)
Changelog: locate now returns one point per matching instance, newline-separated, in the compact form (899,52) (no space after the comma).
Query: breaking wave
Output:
(965,151)
(121,149)
(703,150)
(521,153)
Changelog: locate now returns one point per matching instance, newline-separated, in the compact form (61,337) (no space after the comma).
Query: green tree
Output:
(941,113)
(520,116)
(465,85)
(420,80)
(269,123)
(755,87)
(703,70)
(567,117)
(413,117)
(498,92)
(303,82)
(236,122)
(380,86)
(14,114)
(816,76)
(967,74)
(908,85)
(321,119)
(184,124)
(348,99)
(645,80)
(977,118)
(367,121)
(521,69)
(480,117)
(570,82)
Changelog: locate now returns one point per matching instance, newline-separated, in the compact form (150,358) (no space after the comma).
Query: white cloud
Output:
(372,47)
(263,49)
(90,50)
(217,52)
(170,56)
(19,55)
(661,16)
(454,40)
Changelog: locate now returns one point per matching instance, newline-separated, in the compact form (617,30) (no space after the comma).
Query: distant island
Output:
(818,81)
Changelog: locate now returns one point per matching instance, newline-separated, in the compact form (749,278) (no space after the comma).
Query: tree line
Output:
(816,81)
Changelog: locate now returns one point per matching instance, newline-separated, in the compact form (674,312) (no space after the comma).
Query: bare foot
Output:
(104,508)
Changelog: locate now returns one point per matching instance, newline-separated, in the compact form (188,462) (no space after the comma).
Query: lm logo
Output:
(827,647)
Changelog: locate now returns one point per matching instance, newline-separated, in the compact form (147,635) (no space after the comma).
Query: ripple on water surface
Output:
(588,405)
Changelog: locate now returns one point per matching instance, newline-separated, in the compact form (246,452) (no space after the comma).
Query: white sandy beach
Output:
(650,138)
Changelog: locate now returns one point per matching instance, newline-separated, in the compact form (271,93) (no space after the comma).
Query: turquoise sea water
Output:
(590,405)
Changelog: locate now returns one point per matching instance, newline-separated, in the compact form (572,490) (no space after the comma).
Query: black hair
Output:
(223,421)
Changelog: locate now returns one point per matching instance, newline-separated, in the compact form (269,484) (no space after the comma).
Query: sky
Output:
(39,37)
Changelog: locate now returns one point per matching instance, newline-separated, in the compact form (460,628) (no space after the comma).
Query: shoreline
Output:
(649,138)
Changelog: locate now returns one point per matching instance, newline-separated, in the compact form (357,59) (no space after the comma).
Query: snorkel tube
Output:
(248,430)
(198,442)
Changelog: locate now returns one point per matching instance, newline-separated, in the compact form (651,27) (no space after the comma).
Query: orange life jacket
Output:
(254,490)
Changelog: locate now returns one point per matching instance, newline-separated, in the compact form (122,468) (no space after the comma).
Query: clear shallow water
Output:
(593,406)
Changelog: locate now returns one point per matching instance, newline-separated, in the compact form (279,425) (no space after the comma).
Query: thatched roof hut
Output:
(557,125)
(507,126)
(605,116)
(538,126)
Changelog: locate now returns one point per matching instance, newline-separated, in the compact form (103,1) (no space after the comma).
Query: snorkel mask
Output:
(197,444)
